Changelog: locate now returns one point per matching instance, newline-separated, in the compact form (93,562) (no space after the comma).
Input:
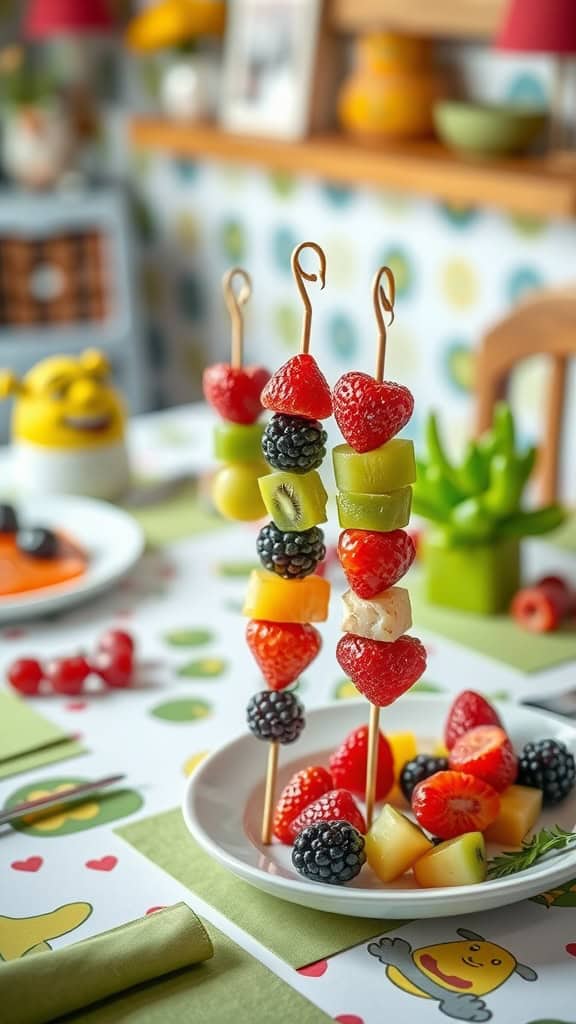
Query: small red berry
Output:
(116,638)
(536,609)
(67,675)
(561,593)
(115,667)
(25,675)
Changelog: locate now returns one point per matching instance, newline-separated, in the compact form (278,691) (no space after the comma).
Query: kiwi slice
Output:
(234,442)
(294,502)
(379,512)
(384,469)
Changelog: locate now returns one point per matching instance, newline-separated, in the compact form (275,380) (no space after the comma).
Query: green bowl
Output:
(485,130)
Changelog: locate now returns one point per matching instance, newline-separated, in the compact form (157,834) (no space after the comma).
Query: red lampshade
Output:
(46,18)
(539,26)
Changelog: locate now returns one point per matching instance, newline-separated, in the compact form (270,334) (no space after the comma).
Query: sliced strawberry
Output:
(234,392)
(336,805)
(373,562)
(537,609)
(299,388)
(451,803)
(468,710)
(487,753)
(282,649)
(370,412)
(348,764)
(381,671)
(303,788)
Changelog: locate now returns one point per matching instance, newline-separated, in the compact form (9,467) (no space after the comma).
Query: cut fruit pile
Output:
(476,789)
(32,558)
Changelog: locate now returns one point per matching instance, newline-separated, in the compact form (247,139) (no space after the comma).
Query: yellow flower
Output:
(55,820)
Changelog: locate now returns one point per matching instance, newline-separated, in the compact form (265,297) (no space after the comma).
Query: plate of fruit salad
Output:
(58,551)
(475,809)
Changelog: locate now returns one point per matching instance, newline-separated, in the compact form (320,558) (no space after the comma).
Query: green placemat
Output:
(296,934)
(564,536)
(496,635)
(28,740)
(180,515)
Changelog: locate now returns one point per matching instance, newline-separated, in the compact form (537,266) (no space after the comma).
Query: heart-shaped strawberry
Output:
(30,864)
(234,392)
(299,388)
(370,412)
(103,863)
(381,671)
(373,562)
(349,762)
(282,649)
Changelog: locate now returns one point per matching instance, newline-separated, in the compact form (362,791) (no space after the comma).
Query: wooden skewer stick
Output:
(235,302)
(382,304)
(271,773)
(301,275)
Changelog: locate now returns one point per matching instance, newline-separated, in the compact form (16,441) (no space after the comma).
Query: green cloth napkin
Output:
(296,934)
(176,517)
(44,986)
(27,739)
(498,636)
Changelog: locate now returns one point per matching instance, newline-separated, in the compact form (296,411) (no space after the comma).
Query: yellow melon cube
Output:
(393,844)
(520,808)
(460,861)
(271,598)
(404,748)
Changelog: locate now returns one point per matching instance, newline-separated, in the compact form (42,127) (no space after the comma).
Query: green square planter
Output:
(481,578)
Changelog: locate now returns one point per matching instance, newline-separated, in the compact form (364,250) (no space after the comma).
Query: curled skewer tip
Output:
(235,301)
(301,276)
(383,302)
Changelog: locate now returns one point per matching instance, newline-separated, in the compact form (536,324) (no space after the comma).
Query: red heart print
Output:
(154,910)
(348,1018)
(571,948)
(103,864)
(76,705)
(314,970)
(30,864)
(370,412)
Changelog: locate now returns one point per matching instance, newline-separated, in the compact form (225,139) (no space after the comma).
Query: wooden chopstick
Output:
(30,806)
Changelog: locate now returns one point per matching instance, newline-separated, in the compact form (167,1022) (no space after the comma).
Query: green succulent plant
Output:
(479,499)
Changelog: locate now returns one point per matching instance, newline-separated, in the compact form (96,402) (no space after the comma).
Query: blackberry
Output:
(549,766)
(294,443)
(420,768)
(290,554)
(329,851)
(276,715)
(8,519)
(37,542)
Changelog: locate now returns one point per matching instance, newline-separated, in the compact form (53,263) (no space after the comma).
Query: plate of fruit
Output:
(61,550)
(476,809)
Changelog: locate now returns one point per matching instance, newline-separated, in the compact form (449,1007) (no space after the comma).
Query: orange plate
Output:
(20,574)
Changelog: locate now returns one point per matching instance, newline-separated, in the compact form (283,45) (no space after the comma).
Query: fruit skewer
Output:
(233,390)
(374,473)
(286,597)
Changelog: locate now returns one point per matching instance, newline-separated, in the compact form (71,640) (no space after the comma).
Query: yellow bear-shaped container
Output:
(392,90)
(68,427)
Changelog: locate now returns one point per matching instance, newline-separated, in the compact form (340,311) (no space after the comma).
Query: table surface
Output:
(189,699)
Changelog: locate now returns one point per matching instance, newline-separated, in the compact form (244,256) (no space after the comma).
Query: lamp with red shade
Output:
(543,26)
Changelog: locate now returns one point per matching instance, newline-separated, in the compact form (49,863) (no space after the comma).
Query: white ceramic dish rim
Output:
(551,872)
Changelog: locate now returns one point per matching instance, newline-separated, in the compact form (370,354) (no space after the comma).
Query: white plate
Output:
(223,801)
(112,539)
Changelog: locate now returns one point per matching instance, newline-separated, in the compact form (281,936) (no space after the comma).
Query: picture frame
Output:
(271,74)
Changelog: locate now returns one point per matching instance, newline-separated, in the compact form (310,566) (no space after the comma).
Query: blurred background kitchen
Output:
(146,147)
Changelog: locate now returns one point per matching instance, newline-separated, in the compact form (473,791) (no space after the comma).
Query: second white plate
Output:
(223,802)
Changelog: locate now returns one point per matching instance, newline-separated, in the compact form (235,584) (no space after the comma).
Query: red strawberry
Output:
(468,710)
(560,591)
(336,805)
(303,788)
(450,803)
(282,649)
(487,753)
(372,562)
(370,412)
(348,764)
(299,388)
(234,392)
(537,609)
(381,671)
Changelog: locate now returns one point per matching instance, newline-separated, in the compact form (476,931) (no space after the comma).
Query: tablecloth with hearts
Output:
(69,876)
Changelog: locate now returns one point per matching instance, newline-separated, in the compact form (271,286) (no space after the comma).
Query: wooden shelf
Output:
(457,18)
(529,186)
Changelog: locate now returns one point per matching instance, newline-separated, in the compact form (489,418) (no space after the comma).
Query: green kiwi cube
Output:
(294,501)
(384,469)
(234,442)
(379,512)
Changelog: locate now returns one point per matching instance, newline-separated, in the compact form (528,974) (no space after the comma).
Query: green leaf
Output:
(192,710)
(203,668)
(188,637)
(547,840)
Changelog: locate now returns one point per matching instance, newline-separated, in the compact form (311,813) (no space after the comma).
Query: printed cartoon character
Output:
(22,935)
(563,896)
(453,973)
(68,427)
